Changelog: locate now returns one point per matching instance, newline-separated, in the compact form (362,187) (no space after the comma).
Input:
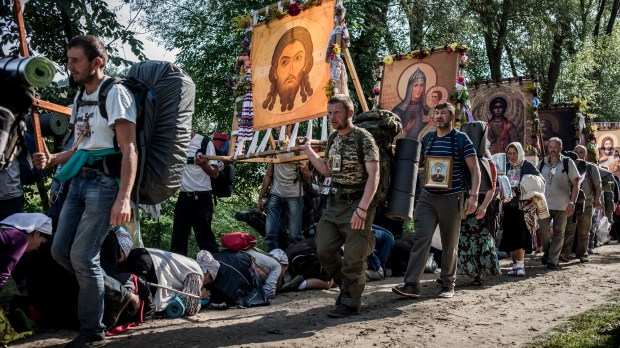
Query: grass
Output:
(598,327)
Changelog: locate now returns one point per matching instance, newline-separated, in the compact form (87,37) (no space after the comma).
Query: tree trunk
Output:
(553,73)
(513,67)
(495,32)
(612,18)
(599,15)
(415,11)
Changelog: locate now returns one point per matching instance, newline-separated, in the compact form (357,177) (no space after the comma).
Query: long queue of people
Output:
(109,287)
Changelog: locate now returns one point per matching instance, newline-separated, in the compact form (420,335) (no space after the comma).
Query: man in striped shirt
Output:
(442,207)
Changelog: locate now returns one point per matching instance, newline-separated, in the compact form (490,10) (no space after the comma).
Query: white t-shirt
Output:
(171,270)
(194,178)
(120,104)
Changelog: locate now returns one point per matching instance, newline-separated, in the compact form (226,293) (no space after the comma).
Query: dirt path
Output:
(507,311)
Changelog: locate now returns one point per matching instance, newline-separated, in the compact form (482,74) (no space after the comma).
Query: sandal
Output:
(517,271)
(477,281)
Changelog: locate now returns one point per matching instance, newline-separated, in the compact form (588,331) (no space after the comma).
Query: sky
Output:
(151,48)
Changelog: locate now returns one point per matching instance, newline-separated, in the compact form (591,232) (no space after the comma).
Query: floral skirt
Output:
(477,252)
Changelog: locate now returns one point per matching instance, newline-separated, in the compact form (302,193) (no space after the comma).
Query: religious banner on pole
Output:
(411,87)
(289,67)
(506,107)
(557,122)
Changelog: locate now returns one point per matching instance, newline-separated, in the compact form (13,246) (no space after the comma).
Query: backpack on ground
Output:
(222,186)
(383,125)
(164,97)
(238,241)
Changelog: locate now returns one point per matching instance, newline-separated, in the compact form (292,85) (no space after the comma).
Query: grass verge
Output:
(598,327)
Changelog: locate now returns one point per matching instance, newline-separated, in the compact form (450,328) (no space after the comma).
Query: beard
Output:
(288,92)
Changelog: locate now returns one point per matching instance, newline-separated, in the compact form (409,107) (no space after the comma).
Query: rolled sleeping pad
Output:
(176,308)
(33,71)
(403,178)
(477,133)
(53,124)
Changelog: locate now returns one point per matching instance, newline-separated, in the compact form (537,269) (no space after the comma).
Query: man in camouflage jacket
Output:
(350,210)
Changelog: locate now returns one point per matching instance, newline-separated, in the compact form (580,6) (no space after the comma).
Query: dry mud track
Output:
(506,311)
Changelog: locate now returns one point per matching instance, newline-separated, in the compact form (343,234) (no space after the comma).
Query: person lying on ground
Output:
(171,270)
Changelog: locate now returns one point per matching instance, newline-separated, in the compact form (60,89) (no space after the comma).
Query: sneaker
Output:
(374,275)
(553,266)
(446,292)
(563,258)
(84,341)
(293,285)
(407,290)
(342,311)
(544,259)
(584,259)
(590,251)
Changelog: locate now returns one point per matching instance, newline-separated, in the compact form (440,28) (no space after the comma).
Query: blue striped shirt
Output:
(442,146)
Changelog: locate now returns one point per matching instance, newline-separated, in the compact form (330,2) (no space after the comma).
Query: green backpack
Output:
(383,125)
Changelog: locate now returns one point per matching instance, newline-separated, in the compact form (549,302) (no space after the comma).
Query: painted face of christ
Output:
(290,65)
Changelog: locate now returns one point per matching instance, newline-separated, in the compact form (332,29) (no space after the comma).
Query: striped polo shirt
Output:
(445,146)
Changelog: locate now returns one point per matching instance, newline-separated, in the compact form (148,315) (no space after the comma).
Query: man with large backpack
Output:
(562,180)
(578,227)
(96,201)
(347,219)
(442,206)
(194,208)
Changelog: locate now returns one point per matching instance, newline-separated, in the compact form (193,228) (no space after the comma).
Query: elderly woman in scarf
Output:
(519,223)
(20,233)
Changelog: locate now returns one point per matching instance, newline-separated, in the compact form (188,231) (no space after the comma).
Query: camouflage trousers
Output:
(332,232)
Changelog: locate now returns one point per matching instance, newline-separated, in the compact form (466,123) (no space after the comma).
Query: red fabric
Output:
(219,139)
(122,328)
(238,241)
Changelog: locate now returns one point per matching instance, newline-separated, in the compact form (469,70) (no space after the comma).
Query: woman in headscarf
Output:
(20,233)
(517,237)
(477,253)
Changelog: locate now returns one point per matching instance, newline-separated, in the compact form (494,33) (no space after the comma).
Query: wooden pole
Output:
(23,47)
(19,19)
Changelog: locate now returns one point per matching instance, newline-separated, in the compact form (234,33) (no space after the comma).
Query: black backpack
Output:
(164,97)
(383,125)
(222,186)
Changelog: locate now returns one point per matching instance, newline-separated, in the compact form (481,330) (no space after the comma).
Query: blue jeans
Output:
(82,227)
(384,243)
(294,207)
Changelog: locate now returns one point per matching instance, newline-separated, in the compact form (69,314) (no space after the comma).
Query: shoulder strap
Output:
(204,144)
(330,140)
(359,140)
(565,164)
(541,165)
(103,94)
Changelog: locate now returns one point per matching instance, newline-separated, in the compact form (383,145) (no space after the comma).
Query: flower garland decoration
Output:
(334,51)
(274,14)
(329,89)
(337,68)
(294,9)
(583,125)
(310,3)
(532,87)
(459,95)
(376,90)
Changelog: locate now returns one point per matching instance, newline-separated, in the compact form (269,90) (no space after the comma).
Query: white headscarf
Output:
(29,222)
(520,154)
(124,240)
(207,263)
(279,255)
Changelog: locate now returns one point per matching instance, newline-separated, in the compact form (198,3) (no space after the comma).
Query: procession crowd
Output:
(317,235)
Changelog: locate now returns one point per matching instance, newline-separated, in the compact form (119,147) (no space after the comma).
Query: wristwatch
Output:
(571,203)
